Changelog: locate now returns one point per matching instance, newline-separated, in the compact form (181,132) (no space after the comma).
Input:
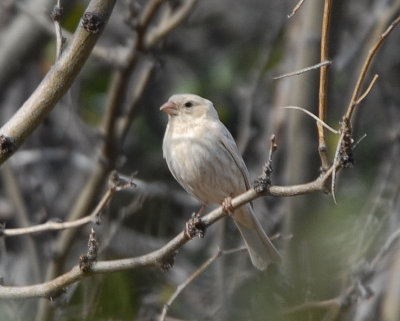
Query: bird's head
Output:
(189,106)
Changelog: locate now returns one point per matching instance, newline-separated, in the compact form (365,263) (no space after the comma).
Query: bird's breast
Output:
(202,166)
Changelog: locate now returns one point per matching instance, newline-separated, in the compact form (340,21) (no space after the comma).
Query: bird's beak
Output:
(170,108)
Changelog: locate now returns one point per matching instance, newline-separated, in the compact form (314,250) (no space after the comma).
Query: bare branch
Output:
(56,16)
(182,286)
(297,7)
(169,22)
(365,94)
(303,70)
(116,183)
(319,121)
(365,67)
(323,85)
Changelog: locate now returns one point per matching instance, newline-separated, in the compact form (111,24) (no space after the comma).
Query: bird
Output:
(204,159)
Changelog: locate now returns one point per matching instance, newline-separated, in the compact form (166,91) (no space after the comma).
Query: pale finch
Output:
(203,157)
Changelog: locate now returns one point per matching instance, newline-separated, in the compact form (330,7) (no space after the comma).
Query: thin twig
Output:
(357,98)
(323,85)
(14,194)
(297,7)
(56,226)
(325,304)
(116,183)
(335,165)
(56,16)
(365,94)
(169,22)
(319,121)
(190,279)
(303,70)
(365,67)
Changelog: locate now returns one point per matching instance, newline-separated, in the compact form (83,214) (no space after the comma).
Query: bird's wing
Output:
(229,144)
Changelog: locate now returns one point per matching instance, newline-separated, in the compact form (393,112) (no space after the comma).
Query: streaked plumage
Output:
(203,157)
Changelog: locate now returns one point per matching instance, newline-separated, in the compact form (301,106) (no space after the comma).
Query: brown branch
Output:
(345,137)
(365,94)
(372,52)
(323,85)
(57,81)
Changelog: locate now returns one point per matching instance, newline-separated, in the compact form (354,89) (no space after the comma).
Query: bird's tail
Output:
(261,250)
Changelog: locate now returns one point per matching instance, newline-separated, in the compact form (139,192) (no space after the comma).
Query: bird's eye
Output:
(188,104)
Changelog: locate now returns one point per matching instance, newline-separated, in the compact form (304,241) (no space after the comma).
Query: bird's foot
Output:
(227,205)
(195,226)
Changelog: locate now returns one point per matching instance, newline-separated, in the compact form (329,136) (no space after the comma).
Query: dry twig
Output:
(303,70)
(297,7)
(323,85)
(116,183)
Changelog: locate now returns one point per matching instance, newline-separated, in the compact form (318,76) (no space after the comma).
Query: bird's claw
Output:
(195,226)
(227,205)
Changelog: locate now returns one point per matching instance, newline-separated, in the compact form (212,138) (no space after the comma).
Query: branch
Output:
(56,16)
(169,22)
(323,85)
(343,155)
(303,70)
(182,286)
(355,97)
(318,120)
(160,257)
(295,9)
(57,81)
(116,183)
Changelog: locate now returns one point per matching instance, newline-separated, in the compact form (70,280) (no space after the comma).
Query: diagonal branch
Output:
(57,81)
(355,97)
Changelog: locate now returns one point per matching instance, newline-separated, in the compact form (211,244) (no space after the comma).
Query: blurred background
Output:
(340,261)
